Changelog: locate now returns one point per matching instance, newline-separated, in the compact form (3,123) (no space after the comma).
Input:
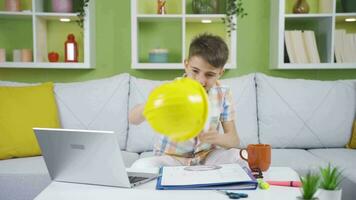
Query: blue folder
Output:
(239,185)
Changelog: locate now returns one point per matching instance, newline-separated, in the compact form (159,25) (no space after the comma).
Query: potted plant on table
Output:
(330,182)
(310,184)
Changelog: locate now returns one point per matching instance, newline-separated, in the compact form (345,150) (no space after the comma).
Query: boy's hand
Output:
(211,136)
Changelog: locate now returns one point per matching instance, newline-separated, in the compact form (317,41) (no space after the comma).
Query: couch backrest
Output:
(296,113)
(97,105)
(142,137)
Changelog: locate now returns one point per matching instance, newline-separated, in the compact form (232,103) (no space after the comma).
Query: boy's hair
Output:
(211,48)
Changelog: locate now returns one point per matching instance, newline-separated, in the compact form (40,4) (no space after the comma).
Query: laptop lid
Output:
(83,156)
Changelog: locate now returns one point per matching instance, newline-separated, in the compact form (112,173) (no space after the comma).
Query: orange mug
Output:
(258,156)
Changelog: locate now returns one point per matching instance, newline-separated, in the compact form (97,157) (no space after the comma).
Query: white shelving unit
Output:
(40,19)
(183,19)
(323,24)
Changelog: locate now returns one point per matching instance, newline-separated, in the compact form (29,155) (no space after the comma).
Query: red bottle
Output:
(71,49)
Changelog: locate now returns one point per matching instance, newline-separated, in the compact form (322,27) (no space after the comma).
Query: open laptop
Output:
(86,156)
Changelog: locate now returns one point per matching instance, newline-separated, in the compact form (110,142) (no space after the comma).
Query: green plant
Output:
(331,178)
(310,184)
(233,8)
(81,12)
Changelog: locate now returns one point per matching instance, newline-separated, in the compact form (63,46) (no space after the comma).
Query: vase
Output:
(64,6)
(205,6)
(12,5)
(301,198)
(301,6)
(329,194)
(348,5)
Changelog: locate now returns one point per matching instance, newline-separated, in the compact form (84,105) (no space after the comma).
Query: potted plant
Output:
(330,182)
(233,8)
(310,184)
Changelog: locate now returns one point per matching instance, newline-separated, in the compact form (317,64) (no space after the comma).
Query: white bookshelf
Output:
(323,23)
(40,20)
(182,19)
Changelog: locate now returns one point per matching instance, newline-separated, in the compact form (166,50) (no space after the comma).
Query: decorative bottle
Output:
(71,49)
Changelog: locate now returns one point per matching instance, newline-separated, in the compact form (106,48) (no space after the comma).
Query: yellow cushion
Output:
(21,109)
(352,143)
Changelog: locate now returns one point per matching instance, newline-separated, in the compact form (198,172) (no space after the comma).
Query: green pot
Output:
(348,5)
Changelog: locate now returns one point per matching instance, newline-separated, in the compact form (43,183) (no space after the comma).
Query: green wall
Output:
(114,50)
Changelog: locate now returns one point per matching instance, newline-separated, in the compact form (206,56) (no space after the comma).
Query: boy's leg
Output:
(155,161)
(224,156)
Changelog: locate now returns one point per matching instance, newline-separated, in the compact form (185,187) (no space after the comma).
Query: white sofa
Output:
(307,123)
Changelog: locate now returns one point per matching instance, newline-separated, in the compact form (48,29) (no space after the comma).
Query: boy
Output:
(207,56)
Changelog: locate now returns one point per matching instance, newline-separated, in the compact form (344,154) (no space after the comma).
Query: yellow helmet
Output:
(178,109)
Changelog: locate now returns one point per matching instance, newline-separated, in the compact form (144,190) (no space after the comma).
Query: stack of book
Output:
(301,47)
(345,46)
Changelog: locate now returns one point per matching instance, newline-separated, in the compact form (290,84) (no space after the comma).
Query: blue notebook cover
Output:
(239,185)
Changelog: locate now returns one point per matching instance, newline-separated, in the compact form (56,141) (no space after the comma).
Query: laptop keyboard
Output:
(135,179)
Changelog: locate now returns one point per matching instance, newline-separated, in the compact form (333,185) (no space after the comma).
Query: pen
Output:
(285,183)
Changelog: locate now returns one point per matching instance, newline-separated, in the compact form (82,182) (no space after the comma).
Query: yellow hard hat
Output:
(178,109)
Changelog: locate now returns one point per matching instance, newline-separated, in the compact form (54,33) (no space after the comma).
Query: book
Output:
(339,45)
(311,47)
(226,177)
(289,46)
(300,52)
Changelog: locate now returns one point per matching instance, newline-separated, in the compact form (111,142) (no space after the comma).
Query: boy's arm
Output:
(228,140)
(136,114)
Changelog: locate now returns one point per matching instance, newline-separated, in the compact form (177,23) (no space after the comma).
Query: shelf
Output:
(15,15)
(307,16)
(199,18)
(44,65)
(323,20)
(166,66)
(173,31)
(155,18)
(318,66)
(57,16)
(42,31)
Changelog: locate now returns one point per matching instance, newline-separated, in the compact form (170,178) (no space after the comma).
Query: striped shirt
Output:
(194,152)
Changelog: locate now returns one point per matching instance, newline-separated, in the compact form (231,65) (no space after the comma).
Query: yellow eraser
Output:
(262,184)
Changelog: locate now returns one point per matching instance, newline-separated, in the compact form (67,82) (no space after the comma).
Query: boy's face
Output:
(198,69)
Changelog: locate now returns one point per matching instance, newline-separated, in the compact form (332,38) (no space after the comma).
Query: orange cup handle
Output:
(241,156)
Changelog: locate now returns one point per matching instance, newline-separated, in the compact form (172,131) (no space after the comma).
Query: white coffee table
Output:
(69,191)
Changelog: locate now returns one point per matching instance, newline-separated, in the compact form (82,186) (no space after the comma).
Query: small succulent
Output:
(233,8)
(310,184)
(331,178)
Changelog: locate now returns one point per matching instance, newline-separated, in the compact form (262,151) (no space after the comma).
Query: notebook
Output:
(223,177)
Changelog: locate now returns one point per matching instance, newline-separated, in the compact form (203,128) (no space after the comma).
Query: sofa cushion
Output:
(341,157)
(141,137)
(97,104)
(297,113)
(22,108)
(244,96)
(300,160)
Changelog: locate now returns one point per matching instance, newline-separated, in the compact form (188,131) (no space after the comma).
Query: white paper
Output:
(177,175)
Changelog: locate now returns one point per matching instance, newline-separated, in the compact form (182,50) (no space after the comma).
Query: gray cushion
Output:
(244,96)
(141,137)
(295,113)
(342,157)
(97,105)
(300,160)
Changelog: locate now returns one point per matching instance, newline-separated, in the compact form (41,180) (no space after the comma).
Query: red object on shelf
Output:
(53,56)
(71,49)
